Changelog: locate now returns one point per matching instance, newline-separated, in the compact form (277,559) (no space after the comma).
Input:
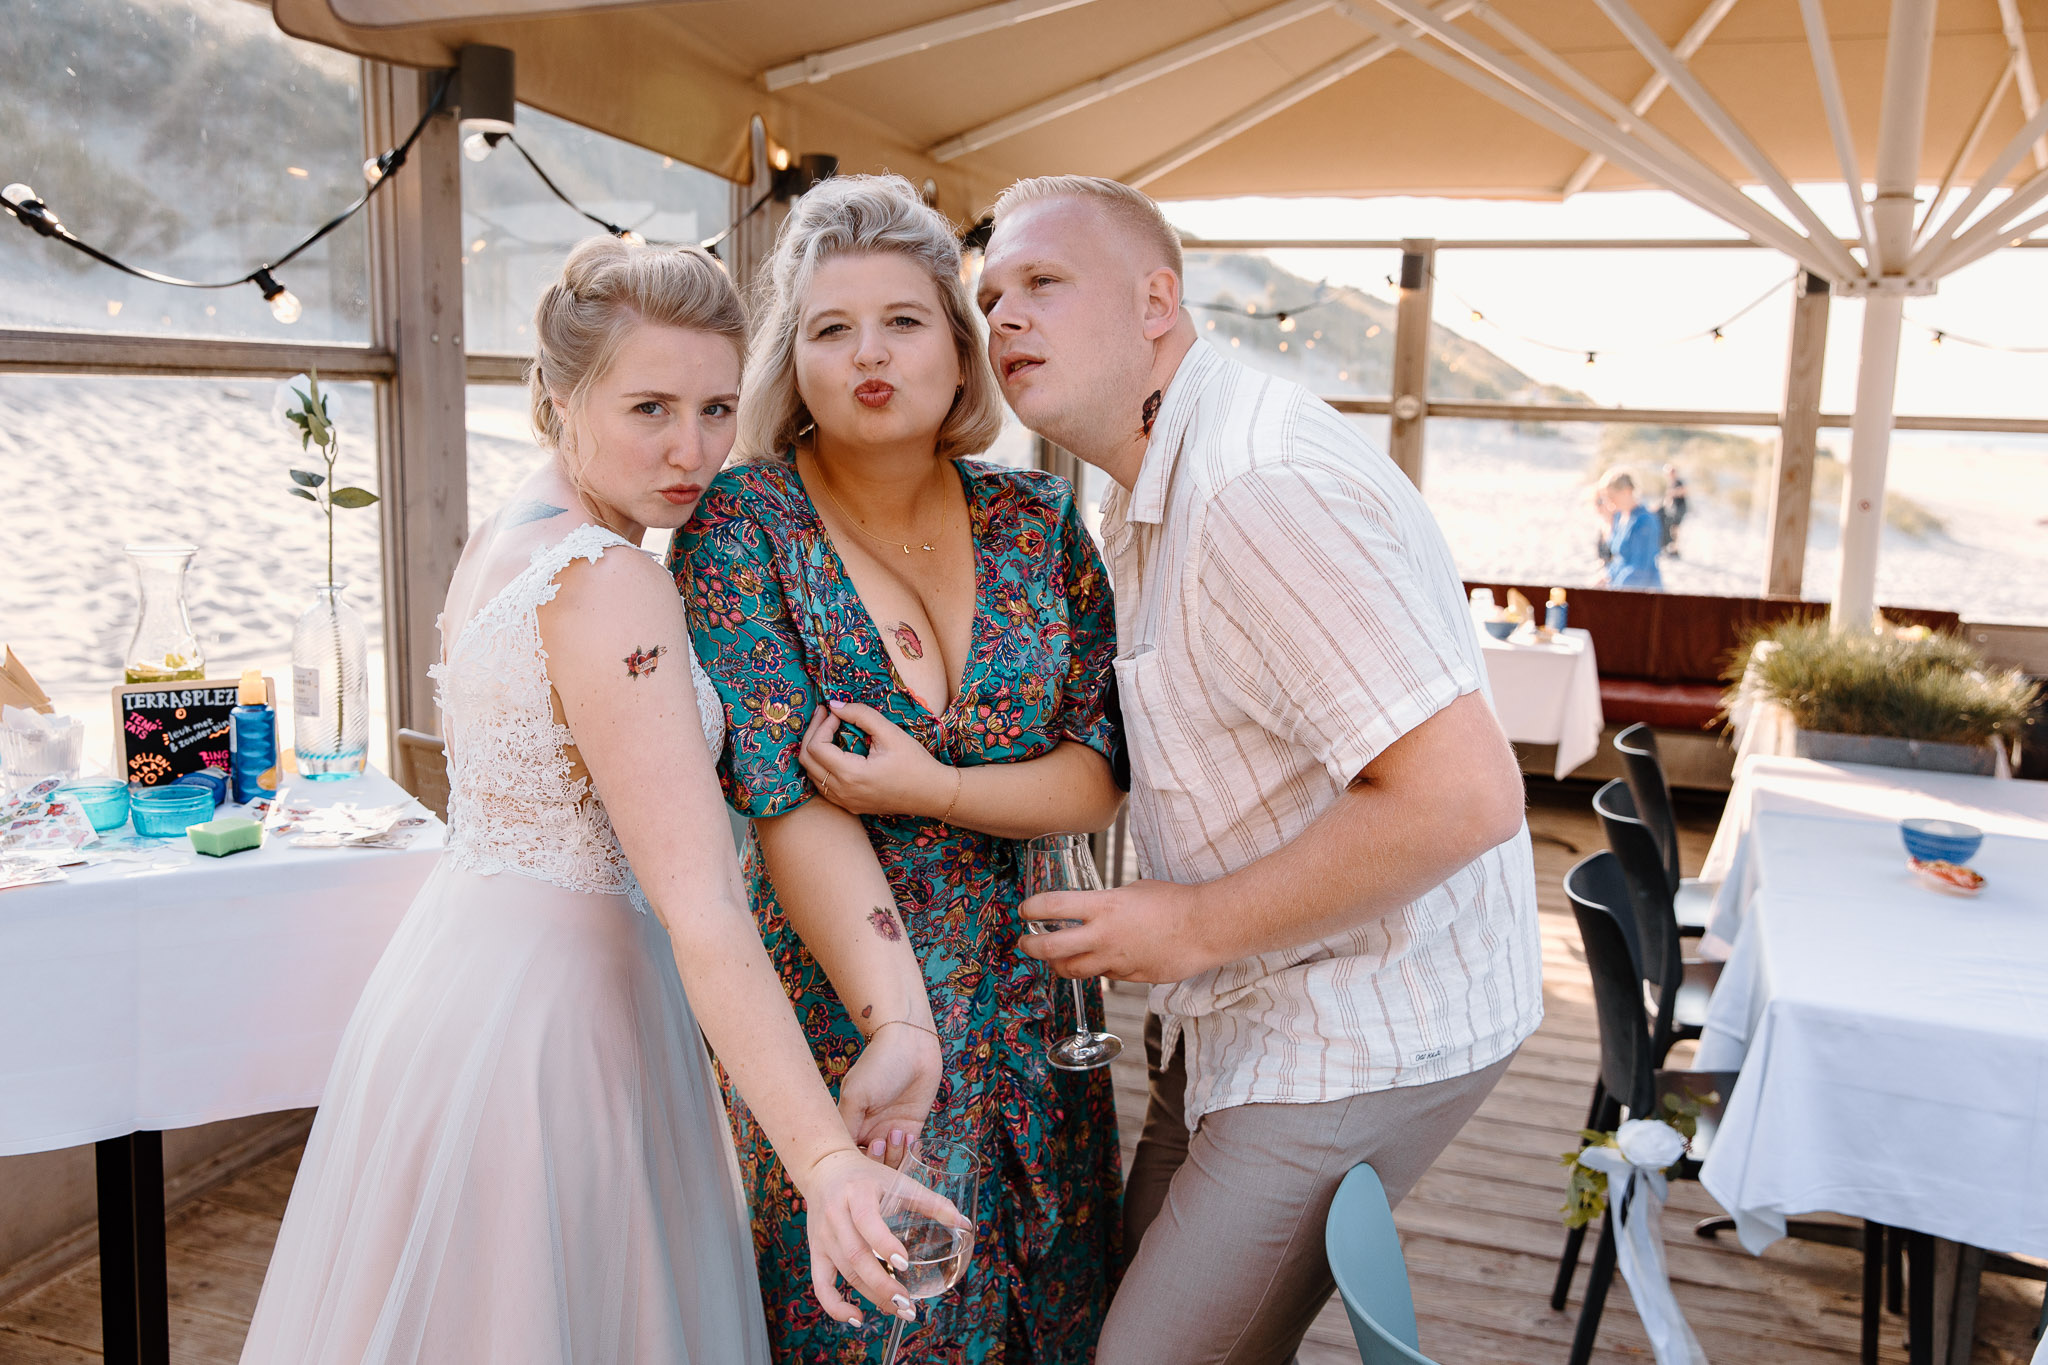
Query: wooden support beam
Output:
(23,351)
(1409,405)
(1798,429)
(747,248)
(422,445)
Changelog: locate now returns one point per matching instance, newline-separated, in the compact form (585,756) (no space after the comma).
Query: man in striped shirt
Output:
(1338,902)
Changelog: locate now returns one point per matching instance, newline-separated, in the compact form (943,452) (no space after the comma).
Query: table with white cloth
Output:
(1547,692)
(181,990)
(1892,1039)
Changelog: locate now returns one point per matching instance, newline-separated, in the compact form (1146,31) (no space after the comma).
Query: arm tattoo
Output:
(520,513)
(885,924)
(644,661)
(867,1011)
(907,641)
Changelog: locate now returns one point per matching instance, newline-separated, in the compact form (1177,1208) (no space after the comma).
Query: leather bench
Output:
(1661,653)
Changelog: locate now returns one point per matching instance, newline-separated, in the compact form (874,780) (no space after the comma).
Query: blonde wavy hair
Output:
(607,288)
(848,216)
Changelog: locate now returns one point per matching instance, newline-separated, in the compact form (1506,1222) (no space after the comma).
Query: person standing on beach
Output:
(1339,903)
(1635,536)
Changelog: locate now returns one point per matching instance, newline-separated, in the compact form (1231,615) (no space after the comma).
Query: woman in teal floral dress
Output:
(913,649)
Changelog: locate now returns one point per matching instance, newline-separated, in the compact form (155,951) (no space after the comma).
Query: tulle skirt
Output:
(522,1157)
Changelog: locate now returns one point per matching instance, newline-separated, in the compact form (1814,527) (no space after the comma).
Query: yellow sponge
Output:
(228,834)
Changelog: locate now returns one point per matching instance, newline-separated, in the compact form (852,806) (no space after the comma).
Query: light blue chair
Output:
(1365,1260)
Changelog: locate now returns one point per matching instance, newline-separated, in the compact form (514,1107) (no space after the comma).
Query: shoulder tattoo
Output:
(520,513)
(644,661)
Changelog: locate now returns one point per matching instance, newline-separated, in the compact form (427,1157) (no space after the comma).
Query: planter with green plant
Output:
(1906,698)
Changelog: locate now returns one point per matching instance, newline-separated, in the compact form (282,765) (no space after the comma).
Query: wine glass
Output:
(939,1253)
(1062,862)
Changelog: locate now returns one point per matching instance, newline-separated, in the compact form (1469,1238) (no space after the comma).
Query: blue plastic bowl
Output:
(1500,630)
(104,803)
(167,812)
(1947,841)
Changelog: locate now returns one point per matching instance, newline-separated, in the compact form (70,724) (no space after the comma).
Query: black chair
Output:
(1634,1085)
(1676,987)
(1643,769)
(1675,990)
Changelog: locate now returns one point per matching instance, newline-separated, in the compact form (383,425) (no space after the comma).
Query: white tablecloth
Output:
(1548,693)
(1767,783)
(1893,1041)
(194,989)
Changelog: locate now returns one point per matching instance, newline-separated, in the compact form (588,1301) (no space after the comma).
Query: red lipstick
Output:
(875,393)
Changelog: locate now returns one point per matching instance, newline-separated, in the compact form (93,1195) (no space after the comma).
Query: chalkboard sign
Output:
(164,730)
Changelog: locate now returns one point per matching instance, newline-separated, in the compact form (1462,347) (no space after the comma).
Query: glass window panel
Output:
(1521,323)
(515,233)
(1515,499)
(1966,524)
(1338,337)
(188,137)
(96,462)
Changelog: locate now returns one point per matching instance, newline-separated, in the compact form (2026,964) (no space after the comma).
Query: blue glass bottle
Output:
(252,741)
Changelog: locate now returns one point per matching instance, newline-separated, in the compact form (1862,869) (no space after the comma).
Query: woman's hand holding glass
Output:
(850,1203)
(897,775)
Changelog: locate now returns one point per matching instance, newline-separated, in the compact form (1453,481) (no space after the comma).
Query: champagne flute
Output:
(939,1253)
(1062,862)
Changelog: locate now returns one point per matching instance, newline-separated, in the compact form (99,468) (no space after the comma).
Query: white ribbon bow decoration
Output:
(1635,1166)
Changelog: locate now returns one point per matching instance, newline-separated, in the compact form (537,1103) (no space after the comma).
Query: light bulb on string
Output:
(373,170)
(1718,338)
(1934,342)
(478,145)
(1591,356)
(631,238)
(1287,324)
(284,304)
(1478,316)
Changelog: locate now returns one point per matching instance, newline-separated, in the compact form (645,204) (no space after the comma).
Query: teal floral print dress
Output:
(779,627)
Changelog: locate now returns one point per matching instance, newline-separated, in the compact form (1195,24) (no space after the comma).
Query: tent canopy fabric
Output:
(1200,98)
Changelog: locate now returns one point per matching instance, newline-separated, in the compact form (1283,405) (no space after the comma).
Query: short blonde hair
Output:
(607,287)
(1133,208)
(848,216)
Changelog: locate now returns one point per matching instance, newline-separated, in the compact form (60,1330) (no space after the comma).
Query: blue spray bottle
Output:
(252,739)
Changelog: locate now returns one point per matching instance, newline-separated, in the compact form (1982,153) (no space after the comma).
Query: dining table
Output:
(167,989)
(1891,1036)
(1546,690)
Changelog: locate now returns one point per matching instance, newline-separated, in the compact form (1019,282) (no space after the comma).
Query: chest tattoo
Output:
(907,641)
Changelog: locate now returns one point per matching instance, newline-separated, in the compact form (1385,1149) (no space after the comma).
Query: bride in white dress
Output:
(521,1156)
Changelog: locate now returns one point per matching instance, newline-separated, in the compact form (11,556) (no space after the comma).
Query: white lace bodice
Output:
(515,800)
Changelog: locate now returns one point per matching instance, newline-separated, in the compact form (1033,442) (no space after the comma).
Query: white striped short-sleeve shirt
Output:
(1286,609)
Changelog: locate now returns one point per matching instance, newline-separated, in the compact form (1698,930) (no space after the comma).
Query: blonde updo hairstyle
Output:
(855,215)
(605,290)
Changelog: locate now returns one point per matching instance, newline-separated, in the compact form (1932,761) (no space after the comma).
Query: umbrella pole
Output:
(1870,439)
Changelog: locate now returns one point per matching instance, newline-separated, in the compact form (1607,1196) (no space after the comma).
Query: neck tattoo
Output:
(1151,411)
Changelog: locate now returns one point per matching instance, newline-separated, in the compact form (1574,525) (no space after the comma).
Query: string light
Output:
(1591,356)
(479,146)
(1718,338)
(22,204)
(1936,336)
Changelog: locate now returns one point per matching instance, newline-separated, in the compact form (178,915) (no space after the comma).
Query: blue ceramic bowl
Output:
(167,812)
(104,803)
(1500,630)
(1946,841)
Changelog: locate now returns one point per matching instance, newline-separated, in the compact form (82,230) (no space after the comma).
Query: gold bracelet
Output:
(959,780)
(910,1023)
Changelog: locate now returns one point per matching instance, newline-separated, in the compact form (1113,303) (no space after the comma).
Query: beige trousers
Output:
(1224,1227)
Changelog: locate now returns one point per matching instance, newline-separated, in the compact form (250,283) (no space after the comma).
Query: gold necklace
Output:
(926,546)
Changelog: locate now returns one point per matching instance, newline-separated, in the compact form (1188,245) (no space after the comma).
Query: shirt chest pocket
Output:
(1163,758)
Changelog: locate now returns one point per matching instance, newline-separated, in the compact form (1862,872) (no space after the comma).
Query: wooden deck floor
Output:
(1480,1232)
